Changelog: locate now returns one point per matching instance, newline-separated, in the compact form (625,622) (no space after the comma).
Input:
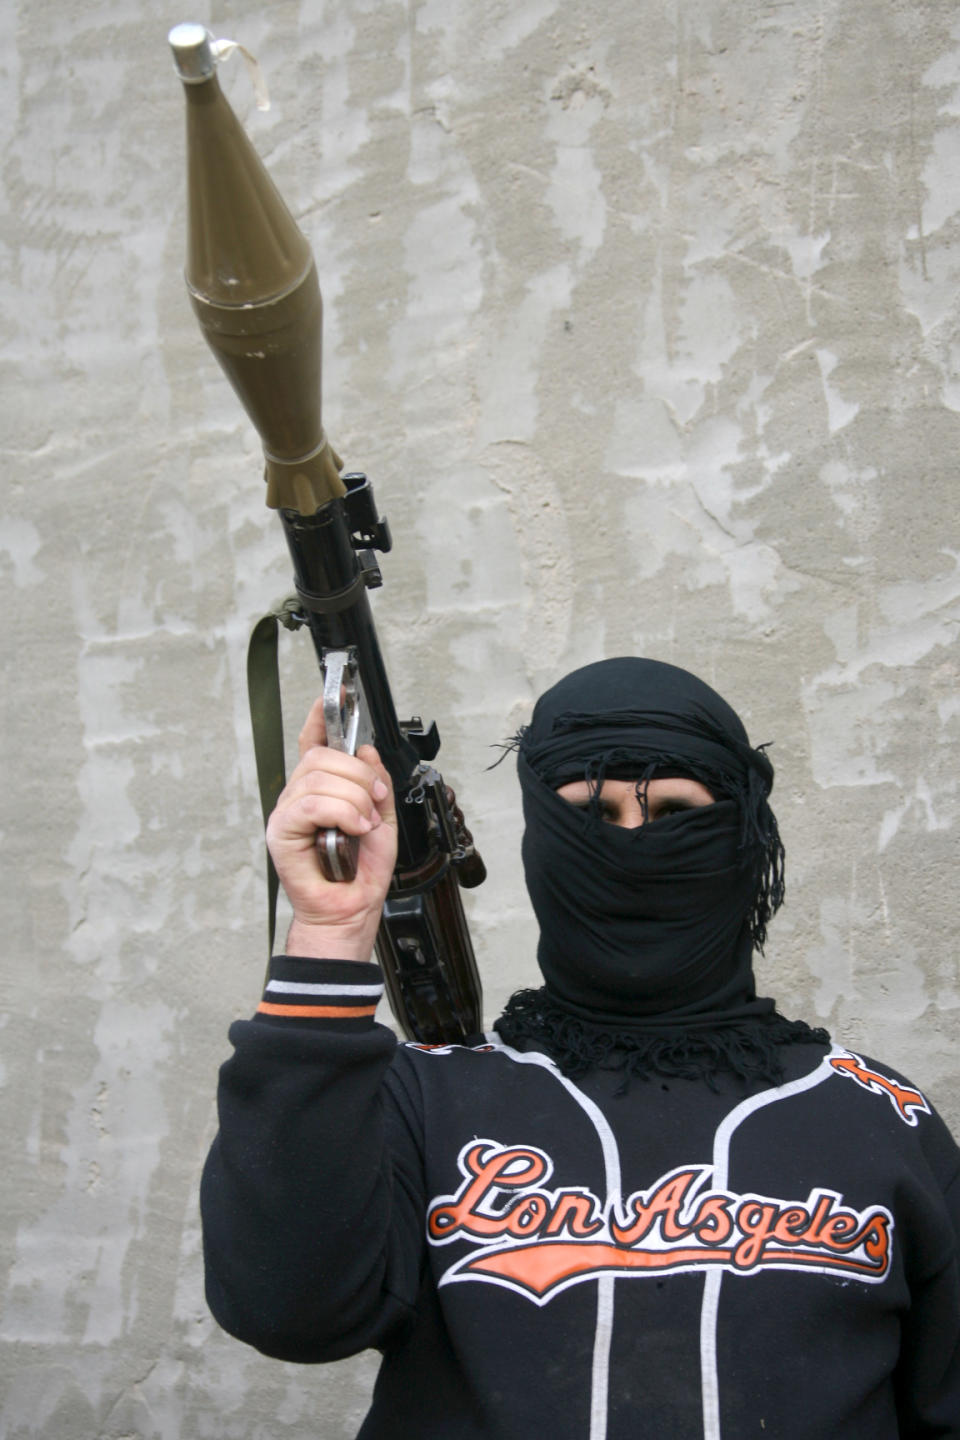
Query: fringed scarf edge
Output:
(746,1048)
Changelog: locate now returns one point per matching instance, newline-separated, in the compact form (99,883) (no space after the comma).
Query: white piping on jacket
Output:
(709,1378)
(603,1334)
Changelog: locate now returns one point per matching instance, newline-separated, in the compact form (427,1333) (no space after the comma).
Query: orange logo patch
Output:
(907,1102)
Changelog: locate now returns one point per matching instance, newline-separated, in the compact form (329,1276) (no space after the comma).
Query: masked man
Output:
(646,1205)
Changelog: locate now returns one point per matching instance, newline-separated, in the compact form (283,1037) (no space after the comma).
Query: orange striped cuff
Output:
(301,989)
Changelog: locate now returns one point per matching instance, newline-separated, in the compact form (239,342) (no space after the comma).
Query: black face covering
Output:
(644,932)
(644,921)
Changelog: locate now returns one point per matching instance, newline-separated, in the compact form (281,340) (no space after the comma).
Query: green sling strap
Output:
(266,718)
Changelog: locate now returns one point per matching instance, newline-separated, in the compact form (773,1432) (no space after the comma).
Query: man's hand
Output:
(333,920)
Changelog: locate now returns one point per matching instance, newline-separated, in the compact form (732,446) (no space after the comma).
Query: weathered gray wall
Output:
(644,318)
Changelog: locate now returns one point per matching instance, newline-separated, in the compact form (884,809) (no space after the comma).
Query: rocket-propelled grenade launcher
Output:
(253,286)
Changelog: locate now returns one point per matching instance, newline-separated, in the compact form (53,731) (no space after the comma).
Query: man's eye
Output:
(605,811)
(670,807)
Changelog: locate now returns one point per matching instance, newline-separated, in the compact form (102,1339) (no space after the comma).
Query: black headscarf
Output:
(647,934)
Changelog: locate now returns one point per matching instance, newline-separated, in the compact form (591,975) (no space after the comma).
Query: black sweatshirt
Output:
(537,1257)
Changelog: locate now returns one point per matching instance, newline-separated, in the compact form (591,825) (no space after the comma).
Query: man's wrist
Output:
(329,942)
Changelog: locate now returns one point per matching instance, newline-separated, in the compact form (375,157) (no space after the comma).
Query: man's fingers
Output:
(330,789)
(327,812)
(383,786)
(339,790)
(320,759)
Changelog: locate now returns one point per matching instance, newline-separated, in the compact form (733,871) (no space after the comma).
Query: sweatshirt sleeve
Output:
(928,1376)
(312,1194)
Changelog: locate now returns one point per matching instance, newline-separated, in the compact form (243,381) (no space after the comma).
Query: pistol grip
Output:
(343,706)
(338,854)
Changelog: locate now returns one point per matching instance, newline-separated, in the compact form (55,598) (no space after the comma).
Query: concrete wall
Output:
(644,319)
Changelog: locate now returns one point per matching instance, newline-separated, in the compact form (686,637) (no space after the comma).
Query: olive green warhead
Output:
(253,285)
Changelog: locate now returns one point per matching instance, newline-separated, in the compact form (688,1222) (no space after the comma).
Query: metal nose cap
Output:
(192,52)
